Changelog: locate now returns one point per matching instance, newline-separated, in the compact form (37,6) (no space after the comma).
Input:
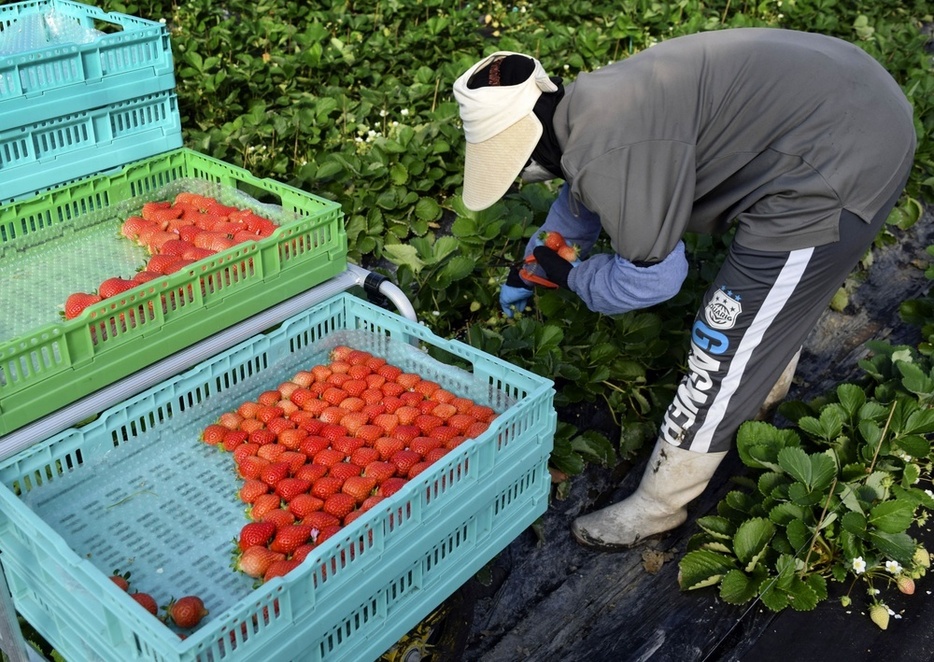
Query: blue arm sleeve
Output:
(611,284)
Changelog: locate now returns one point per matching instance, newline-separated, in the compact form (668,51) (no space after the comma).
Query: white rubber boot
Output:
(780,390)
(673,478)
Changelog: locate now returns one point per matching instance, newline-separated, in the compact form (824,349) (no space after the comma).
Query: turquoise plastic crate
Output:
(43,77)
(43,155)
(136,490)
(46,363)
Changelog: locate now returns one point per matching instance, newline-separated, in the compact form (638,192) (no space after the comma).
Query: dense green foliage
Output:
(352,101)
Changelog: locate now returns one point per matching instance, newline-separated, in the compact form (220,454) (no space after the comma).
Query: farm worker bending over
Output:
(799,141)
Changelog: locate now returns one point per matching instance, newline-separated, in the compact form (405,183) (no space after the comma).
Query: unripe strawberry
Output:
(879,615)
(922,558)
(905,584)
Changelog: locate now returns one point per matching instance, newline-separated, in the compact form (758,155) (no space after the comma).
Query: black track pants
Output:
(756,314)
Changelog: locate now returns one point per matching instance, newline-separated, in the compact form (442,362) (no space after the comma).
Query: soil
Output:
(548,598)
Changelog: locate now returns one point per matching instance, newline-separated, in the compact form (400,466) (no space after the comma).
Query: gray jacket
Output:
(773,129)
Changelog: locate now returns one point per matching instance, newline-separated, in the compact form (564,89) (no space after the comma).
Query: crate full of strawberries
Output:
(312,493)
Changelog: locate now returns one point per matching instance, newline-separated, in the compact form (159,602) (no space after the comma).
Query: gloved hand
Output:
(514,295)
(557,269)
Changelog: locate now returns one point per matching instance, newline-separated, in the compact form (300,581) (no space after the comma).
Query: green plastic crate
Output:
(49,363)
(136,490)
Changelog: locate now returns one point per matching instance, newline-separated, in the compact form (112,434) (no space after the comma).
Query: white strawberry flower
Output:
(859,565)
(893,567)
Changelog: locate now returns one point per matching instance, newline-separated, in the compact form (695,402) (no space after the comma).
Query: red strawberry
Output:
(303,505)
(353,421)
(460,422)
(482,413)
(370,502)
(233,439)
(387,446)
(334,395)
(426,422)
(264,504)
(462,405)
(412,398)
(332,431)
(340,353)
(186,612)
(569,253)
(405,460)
(262,437)
(436,454)
(147,601)
(380,471)
(418,468)
(230,420)
(256,533)
(244,450)
(476,429)
(313,444)
(252,466)
(301,395)
(390,486)
(254,561)
(280,517)
(278,424)
(407,414)
(373,397)
(270,452)
(422,445)
(252,489)
(408,380)
(311,471)
(321,373)
(389,372)
(213,434)
(332,414)
(392,403)
(347,445)
(289,488)
(326,533)
(280,569)
(364,455)
(122,581)
(295,459)
(159,263)
(444,410)
(268,412)
(443,433)
(131,227)
(340,505)
(320,520)
(288,538)
(326,486)
(77,302)
(345,470)
(392,389)
(553,240)
(370,433)
(427,406)
(329,457)
(359,487)
(145,276)
(274,473)
(359,371)
(426,387)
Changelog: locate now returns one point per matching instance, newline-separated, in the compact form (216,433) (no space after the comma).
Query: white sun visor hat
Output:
(497,98)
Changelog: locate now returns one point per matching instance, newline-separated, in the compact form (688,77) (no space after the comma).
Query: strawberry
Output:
(379,471)
(303,505)
(122,581)
(244,450)
(436,454)
(269,452)
(370,433)
(426,387)
(351,516)
(303,551)
(370,502)
(386,422)
(176,247)
(303,378)
(444,411)
(254,561)
(358,357)
(264,504)
(340,353)
(266,413)
(186,612)
(147,601)
(262,436)
(345,470)
(311,471)
(230,420)
(274,473)
(373,397)
(332,415)
(408,380)
(389,372)
(280,517)
(326,533)
(145,276)
(278,424)
(462,405)
(879,615)
(326,486)
(354,387)
(390,486)
(347,444)
(319,520)
(406,433)
(476,429)
(426,422)
(340,505)
(422,445)
(334,395)
(412,398)
(288,538)
(329,457)
(482,413)
(321,373)
(213,434)
(387,446)
(374,381)
(252,489)
(353,421)
(352,404)
(77,302)
(359,487)
(194,253)
(427,406)
(339,368)
(359,371)
(405,460)
(569,253)
(233,439)
(392,389)
(460,422)
(407,414)
(454,442)
(301,395)
(256,533)
(905,584)
(313,444)
(333,431)
(553,240)
(279,569)
(132,226)
(289,488)
(364,455)
(307,421)
(295,459)
(443,433)
(252,466)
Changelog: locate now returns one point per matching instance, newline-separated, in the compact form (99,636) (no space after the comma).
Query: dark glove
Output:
(556,268)
(514,294)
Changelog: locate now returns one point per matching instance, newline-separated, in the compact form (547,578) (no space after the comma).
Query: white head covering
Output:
(501,130)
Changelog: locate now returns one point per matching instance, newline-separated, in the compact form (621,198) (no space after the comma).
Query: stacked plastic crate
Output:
(89,134)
